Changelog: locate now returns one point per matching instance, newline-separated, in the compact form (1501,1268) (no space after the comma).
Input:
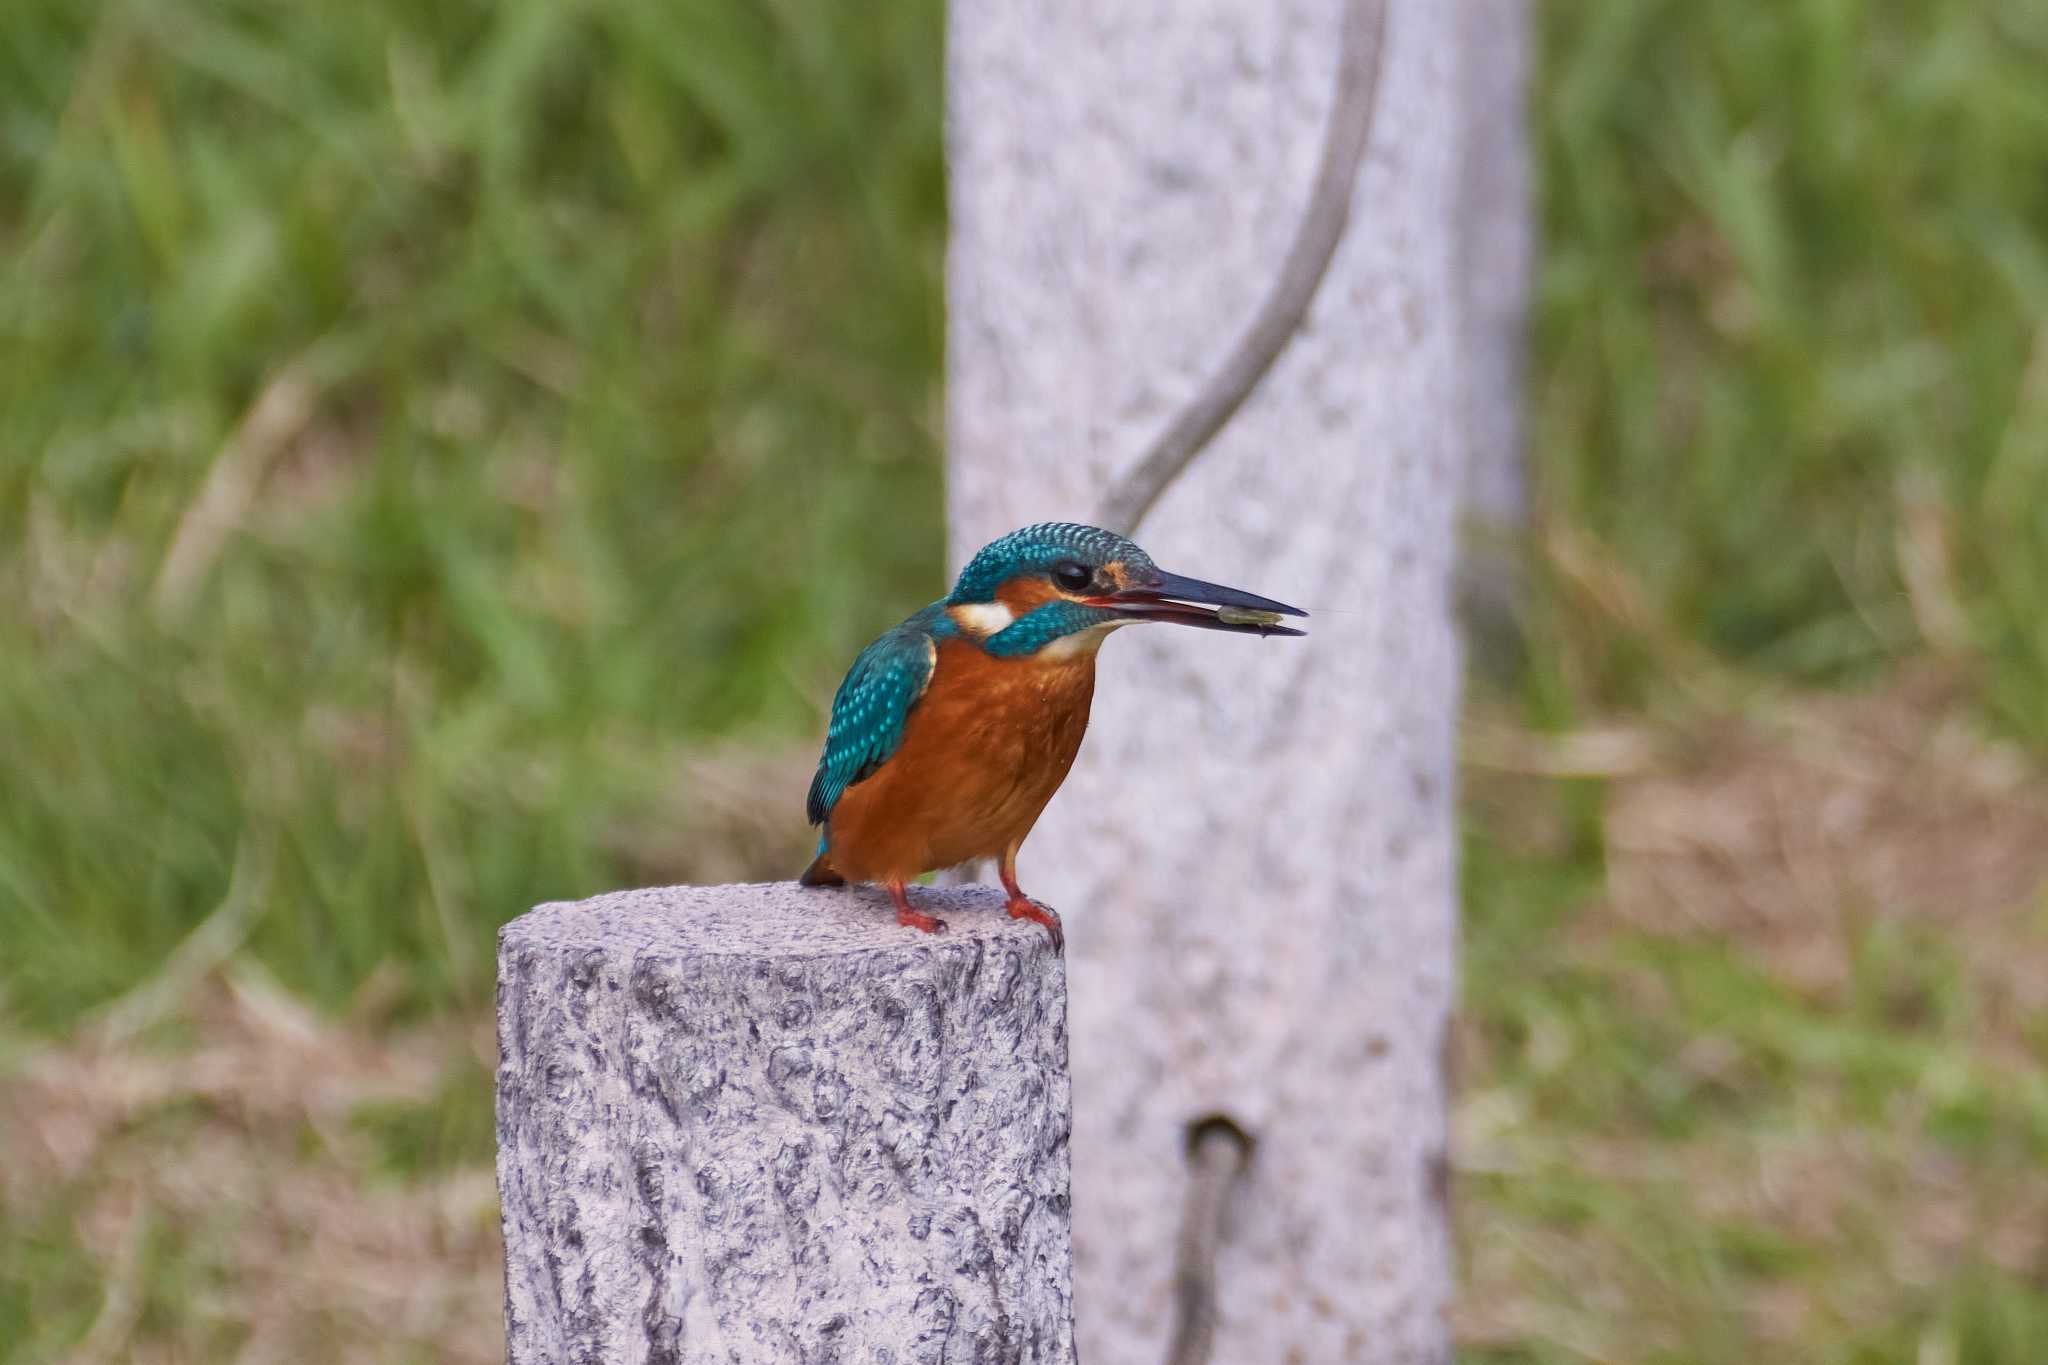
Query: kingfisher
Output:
(952,731)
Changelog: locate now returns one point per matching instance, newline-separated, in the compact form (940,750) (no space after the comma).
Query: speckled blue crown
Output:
(1035,549)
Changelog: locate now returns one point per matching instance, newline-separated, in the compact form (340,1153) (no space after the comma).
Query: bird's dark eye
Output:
(1071,575)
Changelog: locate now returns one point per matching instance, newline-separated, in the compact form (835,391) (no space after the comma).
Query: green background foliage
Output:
(440,446)
(612,335)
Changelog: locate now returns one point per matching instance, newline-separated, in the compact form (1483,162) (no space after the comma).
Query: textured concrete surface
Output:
(762,1123)
(1255,852)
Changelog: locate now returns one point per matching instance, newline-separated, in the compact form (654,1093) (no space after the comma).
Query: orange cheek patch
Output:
(1022,594)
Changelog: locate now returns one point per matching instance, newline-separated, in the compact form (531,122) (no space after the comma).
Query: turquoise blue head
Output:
(1062,581)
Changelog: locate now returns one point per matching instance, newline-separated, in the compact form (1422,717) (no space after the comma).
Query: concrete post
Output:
(1255,852)
(747,1124)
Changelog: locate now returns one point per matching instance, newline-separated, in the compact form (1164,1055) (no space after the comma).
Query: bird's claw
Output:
(931,924)
(1023,907)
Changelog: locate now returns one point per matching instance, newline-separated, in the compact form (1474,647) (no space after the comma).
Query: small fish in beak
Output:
(1163,596)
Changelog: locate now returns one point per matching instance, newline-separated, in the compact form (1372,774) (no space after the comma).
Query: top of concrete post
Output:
(764,920)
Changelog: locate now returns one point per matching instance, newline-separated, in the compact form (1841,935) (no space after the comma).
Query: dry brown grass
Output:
(1882,1214)
(234,1152)
(1789,832)
(733,814)
(1802,1206)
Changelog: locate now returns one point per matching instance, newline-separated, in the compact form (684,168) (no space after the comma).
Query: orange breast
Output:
(984,750)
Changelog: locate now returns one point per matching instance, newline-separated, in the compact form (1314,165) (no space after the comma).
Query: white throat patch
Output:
(981,618)
(1080,642)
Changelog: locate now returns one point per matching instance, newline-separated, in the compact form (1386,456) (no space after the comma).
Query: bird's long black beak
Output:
(1191,602)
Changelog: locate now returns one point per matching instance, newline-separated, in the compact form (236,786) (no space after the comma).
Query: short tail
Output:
(820,873)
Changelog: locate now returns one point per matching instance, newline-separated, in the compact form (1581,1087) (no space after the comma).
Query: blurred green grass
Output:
(566,377)
(424,428)
(1670,1154)
(1792,332)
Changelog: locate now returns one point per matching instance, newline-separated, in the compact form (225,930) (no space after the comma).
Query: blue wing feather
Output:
(873,705)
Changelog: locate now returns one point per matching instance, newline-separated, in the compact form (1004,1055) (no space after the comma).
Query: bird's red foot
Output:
(1023,907)
(931,924)
(900,894)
